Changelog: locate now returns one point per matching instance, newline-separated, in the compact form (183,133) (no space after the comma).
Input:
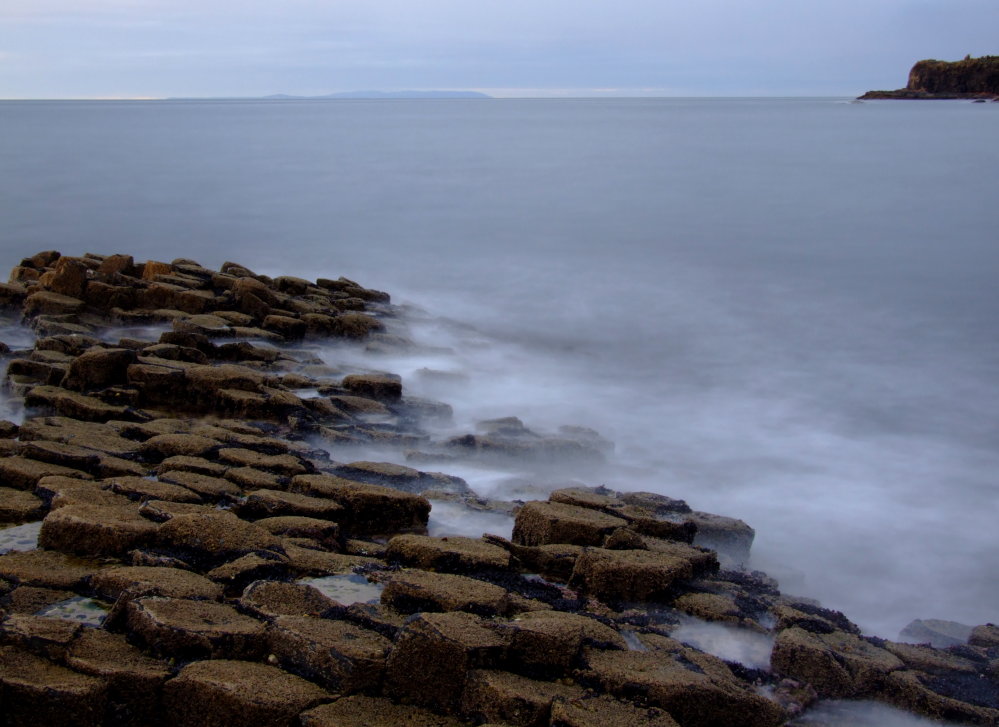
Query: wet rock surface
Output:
(201,482)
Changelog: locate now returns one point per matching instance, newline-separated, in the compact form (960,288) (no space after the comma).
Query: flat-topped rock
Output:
(23,473)
(370,509)
(412,591)
(452,554)
(92,435)
(214,537)
(629,575)
(46,569)
(17,506)
(603,711)
(134,680)
(543,523)
(338,655)
(275,503)
(383,387)
(363,711)
(837,664)
(38,692)
(499,696)
(270,599)
(42,636)
(434,654)
(96,530)
(324,532)
(222,693)
(694,689)
(186,629)
(111,583)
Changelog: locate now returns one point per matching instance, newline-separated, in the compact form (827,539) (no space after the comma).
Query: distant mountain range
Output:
(385,94)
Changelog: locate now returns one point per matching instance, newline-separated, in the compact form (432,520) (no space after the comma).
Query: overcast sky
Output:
(157,48)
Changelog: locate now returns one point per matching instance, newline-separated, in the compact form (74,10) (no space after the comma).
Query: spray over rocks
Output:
(188,540)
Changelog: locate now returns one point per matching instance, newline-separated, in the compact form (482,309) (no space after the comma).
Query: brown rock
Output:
(412,591)
(184,445)
(433,656)
(355,325)
(731,537)
(106,297)
(215,538)
(286,326)
(141,489)
(272,503)
(37,692)
(546,644)
(208,488)
(17,506)
(383,387)
(270,599)
(452,554)
(91,435)
(604,711)
(499,696)
(134,680)
(69,277)
(370,509)
(45,302)
(45,637)
(311,562)
(136,581)
(695,692)
(542,523)
(222,693)
(954,697)
(211,379)
(99,368)
(158,383)
(555,562)
(30,600)
(283,464)
(837,664)
(361,711)
(986,636)
(151,268)
(628,575)
(198,465)
(186,629)
(46,569)
(324,532)
(77,406)
(24,473)
(237,574)
(250,478)
(96,530)
(123,264)
(337,655)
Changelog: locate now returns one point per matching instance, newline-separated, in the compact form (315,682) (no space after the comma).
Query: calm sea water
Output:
(781,310)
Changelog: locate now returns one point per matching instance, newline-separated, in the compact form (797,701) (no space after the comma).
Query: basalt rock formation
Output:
(190,552)
(971,78)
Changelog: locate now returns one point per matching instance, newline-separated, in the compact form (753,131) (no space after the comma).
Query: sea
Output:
(780,310)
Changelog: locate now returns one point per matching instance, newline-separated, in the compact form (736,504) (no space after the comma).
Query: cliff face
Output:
(969,78)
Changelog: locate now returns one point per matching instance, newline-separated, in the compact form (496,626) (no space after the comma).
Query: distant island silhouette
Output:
(971,78)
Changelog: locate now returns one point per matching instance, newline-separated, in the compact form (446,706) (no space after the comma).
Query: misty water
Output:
(780,310)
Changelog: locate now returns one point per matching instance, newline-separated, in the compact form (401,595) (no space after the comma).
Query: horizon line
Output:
(277,98)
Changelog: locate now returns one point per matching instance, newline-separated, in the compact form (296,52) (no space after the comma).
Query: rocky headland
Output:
(971,78)
(185,545)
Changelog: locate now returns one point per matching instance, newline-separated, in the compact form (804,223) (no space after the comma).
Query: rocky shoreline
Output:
(203,557)
(975,79)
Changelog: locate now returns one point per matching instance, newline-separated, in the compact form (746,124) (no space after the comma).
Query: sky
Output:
(194,48)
